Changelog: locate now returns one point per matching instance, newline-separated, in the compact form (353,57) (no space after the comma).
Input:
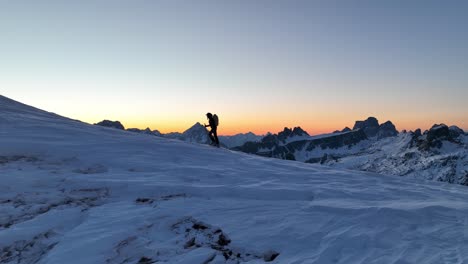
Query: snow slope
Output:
(76,193)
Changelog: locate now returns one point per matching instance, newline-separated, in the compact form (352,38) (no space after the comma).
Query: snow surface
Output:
(76,193)
(397,156)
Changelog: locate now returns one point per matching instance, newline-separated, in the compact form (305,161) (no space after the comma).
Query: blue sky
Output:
(261,65)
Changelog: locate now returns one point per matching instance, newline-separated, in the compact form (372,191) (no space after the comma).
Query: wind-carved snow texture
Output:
(27,206)
(30,251)
(31,206)
(192,239)
(197,234)
(76,193)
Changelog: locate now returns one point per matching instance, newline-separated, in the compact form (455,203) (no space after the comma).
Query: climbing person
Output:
(213,124)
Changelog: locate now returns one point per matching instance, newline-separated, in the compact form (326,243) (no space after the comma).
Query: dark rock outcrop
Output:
(455,131)
(113,124)
(438,132)
(417,133)
(433,137)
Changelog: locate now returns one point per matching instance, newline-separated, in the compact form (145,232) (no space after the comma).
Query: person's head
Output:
(209,115)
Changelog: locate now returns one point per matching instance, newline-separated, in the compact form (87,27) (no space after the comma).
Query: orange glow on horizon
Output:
(228,129)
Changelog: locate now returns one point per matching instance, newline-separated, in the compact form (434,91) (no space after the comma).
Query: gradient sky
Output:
(260,65)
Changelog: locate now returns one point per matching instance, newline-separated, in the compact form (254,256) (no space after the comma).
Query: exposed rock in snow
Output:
(455,131)
(113,124)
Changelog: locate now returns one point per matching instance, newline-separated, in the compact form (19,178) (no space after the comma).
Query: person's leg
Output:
(210,134)
(215,134)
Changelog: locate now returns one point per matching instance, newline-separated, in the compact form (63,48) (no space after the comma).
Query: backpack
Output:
(216,120)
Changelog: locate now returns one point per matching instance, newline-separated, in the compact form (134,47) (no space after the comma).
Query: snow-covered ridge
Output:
(239,139)
(76,193)
(440,154)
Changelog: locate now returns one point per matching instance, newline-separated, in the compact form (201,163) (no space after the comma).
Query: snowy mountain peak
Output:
(196,127)
(197,133)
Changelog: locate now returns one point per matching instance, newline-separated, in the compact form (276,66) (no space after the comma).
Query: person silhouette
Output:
(213,134)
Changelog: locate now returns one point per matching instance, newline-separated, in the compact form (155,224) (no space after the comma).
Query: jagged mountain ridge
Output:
(296,144)
(195,134)
(439,154)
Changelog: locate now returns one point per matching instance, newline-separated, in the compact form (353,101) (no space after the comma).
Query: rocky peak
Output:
(197,128)
(287,132)
(369,122)
(113,124)
(438,132)
(387,129)
(370,126)
(417,133)
(298,131)
(455,131)
(433,137)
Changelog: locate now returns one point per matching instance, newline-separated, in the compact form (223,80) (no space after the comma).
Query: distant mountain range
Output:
(440,153)
(196,134)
